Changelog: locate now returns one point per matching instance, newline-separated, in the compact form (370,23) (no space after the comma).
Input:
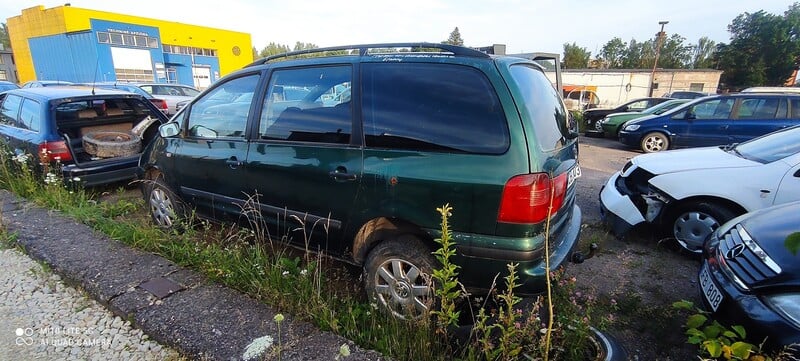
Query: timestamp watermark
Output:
(61,336)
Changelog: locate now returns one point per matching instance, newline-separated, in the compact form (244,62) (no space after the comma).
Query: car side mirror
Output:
(169,130)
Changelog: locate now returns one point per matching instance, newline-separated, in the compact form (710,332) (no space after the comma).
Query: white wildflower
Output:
(344,351)
(304,272)
(278,318)
(51,178)
(257,348)
(285,273)
(21,158)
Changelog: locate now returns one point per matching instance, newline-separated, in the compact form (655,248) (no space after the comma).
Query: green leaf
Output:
(712,331)
(713,347)
(730,334)
(694,340)
(741,350)
(695,321)
(740,330)
(792,243)
(683,305)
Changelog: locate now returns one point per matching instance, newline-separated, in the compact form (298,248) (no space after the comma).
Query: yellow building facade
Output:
(82,45)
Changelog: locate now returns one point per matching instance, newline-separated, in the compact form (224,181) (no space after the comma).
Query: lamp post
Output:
(659,39)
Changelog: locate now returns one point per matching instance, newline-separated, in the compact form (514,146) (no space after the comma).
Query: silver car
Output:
(172,93)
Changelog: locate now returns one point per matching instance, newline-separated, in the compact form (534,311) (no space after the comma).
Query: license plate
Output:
(710,290)
(573,174)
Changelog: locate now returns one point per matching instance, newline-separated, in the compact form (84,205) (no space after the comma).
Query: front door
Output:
(215,147)
(703,124)
(306,164)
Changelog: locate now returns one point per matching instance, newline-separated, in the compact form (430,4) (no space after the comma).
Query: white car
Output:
(692,192)
(172,93)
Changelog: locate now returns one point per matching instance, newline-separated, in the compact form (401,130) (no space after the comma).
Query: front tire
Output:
(166,209)
(654,142)
(694,222)
(398,276)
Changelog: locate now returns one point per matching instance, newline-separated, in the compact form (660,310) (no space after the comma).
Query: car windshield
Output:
(663,107)
(771,147)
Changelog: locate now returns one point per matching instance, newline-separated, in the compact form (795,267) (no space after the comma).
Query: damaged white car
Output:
(691,192)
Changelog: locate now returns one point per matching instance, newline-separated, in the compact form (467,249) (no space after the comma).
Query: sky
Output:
(522,25)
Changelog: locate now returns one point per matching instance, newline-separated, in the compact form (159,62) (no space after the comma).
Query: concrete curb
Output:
(203,320)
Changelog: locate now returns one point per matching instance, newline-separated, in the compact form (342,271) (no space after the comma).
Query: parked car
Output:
(613,122)
(691,192)
(87,130)
(172,93)
(772,89)
(161,104)
(750,278)
(7,85)
(486,134)
(686,94)
(45,83)
(713,120)
(592,116)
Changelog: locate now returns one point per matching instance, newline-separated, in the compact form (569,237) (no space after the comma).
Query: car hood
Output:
(690,159)
(770,228)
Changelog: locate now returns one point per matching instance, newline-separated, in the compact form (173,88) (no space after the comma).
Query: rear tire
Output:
(398,276)
(654,142)
(692,223)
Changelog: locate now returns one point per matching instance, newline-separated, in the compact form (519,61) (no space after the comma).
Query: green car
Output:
(612,123)
(359,177)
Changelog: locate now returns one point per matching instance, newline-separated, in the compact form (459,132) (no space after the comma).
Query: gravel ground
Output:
(43,319)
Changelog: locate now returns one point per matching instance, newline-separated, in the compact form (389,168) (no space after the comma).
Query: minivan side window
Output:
(432,107)
(29,115)
(223,111)
(543,106)
(760,108)
(719,108)
(10,110)
(308,105)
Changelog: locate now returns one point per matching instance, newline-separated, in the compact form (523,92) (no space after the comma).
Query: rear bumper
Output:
(483,266)
(102,173)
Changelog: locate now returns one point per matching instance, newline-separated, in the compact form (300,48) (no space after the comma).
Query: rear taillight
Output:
(526,197)
(161,104)
(51,151)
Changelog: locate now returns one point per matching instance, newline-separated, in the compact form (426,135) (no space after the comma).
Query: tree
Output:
(455,38)
(575,57)
(4,38)
(613,53)
(304,46)
(703,53)
(635,54)
(274,49)
(764,49)
(674,54)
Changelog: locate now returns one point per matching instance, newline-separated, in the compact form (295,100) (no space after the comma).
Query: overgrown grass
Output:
(309,287)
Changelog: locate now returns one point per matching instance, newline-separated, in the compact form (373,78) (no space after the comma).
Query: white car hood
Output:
(690,159)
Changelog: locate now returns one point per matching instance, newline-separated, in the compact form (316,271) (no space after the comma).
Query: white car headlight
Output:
(631,127)
(787,305)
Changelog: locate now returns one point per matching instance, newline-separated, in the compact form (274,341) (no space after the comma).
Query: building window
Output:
(177,49)
(134,75)
(696,87)
(655,86)
(138,41)
(3,75)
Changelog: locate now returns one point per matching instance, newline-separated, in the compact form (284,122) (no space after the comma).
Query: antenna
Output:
(96,69)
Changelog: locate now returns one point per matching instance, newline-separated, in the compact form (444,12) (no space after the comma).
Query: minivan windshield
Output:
(543,106)
(771,147)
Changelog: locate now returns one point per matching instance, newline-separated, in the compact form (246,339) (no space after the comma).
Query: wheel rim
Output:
(161,207)
(598,126)
(654,143)
(692,228)
(402,289)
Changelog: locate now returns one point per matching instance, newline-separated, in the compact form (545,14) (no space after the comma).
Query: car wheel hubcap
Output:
(161,207)
(402,289)
(654,144)
(598,126)
(692,228)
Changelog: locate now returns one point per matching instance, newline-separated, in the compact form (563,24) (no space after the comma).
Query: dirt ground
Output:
(642,274)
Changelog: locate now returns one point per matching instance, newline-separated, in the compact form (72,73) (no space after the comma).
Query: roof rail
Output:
(364,49)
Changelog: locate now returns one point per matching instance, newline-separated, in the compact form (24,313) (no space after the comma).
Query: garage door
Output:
(202,77)
(132,65)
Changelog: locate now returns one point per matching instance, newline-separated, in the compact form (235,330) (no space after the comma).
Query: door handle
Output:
(340,174)
(233,162)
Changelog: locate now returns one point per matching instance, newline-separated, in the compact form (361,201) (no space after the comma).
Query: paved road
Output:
(599,159)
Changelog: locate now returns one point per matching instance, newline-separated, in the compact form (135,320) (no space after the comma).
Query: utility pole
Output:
(659,40)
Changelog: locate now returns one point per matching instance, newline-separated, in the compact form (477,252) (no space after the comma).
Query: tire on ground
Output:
(397,276)
(691,223)
(110,144)
(166,208)
(654,142)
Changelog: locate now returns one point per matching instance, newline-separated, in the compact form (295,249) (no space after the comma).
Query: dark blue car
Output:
(751,274)
(713,120)
(96,134)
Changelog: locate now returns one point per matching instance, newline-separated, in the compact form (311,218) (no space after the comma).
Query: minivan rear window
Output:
(542,105)
(432,107)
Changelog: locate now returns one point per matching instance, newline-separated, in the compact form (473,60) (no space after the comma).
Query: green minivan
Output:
(378,138)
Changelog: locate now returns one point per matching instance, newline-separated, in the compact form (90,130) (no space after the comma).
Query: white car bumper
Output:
(617,208)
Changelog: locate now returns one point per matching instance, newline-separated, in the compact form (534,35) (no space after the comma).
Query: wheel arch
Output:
(678,204)
(381,229)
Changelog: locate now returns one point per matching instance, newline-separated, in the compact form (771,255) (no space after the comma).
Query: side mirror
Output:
(170,129)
